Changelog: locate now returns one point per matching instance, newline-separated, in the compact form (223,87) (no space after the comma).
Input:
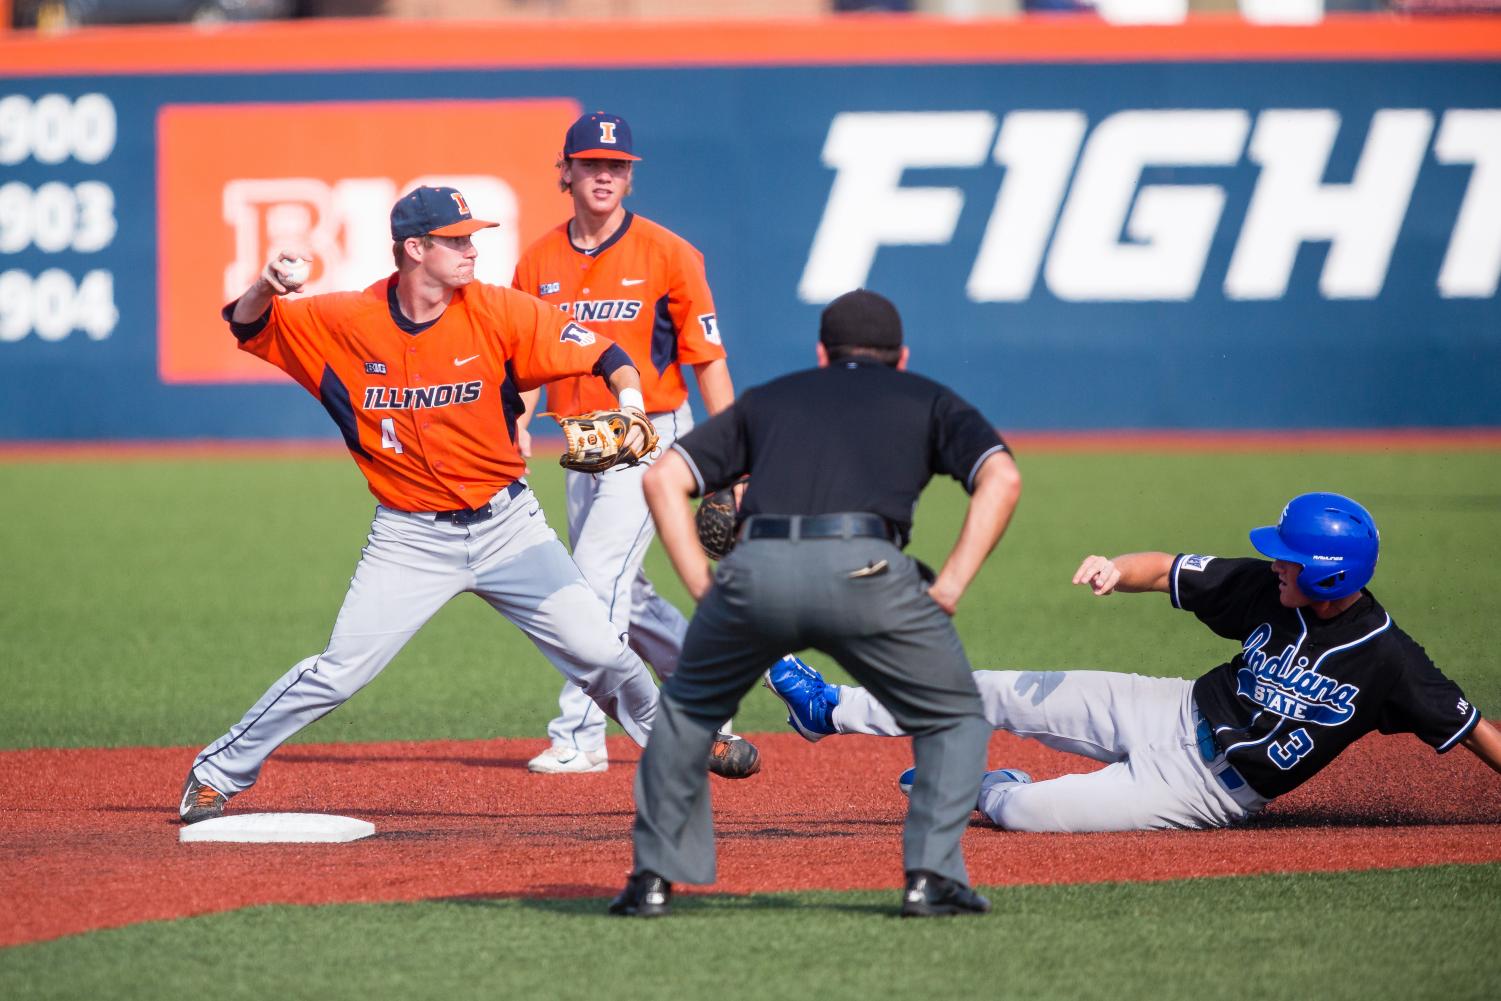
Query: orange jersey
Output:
(430,417)
(645,289)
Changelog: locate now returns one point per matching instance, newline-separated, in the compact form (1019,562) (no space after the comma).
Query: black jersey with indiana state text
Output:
(1302,689)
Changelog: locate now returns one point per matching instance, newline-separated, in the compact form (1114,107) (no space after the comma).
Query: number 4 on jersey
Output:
(388,437)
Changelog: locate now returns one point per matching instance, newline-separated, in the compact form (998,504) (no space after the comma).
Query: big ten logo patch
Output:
(238,182)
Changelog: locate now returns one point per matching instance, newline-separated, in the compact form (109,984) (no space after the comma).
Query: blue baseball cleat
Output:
(810,700)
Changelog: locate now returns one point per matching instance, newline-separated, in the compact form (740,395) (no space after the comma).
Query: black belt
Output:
(466,516)
(818,526)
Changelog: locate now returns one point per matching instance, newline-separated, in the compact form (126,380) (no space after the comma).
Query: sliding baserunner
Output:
(1321,664)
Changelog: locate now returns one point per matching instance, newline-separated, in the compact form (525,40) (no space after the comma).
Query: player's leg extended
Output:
(817,709)
(1156,787)
(408,570)
(724,654)
(524,572)
(858,711)
(579,727)
(657,631)
(1103,715)
(610,542)
(1118,797)
(610,529)
(1162,782)
(1099,714)
(657,628)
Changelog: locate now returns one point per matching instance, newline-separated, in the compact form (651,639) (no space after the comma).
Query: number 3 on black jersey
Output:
(1292,750)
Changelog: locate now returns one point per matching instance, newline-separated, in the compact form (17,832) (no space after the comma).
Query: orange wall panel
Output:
(230,194)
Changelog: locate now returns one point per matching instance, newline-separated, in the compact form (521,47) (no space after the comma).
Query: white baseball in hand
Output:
(295,271)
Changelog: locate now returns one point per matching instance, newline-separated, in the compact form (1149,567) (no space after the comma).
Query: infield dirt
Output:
(88,838)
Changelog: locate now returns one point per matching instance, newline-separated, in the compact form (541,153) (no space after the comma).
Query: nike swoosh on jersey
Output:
(465,361)
(632,281)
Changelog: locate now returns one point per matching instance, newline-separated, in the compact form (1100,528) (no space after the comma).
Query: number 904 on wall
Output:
(52,305)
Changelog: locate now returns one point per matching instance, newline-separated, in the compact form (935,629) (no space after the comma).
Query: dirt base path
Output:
(88,838)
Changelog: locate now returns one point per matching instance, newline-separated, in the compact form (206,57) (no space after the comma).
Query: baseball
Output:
(296,270)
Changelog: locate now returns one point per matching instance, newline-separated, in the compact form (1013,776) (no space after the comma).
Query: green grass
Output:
(150,603)
(1409,934)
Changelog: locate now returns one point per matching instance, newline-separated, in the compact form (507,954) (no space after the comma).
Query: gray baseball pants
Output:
(411,566)
(772,596)
(610,530)
(1143,728)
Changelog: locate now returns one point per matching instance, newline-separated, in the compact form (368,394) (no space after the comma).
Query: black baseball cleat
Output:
(733,757)
(200,802)
(929,895)
(646,895)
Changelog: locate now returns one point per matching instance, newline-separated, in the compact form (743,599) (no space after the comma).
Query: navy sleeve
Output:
(245,331)
(614,357)
(1423,701)
(1218,591)
(962,439)
(718,450)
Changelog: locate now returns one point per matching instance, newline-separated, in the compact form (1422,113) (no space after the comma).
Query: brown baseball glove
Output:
(598,441)
(715,521)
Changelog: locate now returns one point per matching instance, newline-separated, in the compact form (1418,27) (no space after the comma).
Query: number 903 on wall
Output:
(52,305)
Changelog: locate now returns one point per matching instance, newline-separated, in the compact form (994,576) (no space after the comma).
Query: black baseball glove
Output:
(715,521)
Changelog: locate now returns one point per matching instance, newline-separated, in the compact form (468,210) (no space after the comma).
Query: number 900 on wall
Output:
(49,216)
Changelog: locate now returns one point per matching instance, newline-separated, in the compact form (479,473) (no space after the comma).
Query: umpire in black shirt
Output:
(837,457)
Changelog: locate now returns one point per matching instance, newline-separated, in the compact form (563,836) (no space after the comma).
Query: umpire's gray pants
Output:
(771,597)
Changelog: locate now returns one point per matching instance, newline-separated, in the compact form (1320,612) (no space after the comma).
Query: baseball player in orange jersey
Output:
(644,287)
(423,374)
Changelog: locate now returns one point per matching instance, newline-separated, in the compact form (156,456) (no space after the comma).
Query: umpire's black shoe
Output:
(929,895)
(646,895)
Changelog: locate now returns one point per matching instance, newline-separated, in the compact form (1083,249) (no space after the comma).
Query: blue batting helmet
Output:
(1331,537)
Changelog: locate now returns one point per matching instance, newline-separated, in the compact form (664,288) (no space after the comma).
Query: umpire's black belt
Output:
(468,516)
(859,525)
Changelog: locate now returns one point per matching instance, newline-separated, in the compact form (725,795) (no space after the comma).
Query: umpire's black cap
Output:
(860,319)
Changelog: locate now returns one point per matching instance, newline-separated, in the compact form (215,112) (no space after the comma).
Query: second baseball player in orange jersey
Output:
(644,287)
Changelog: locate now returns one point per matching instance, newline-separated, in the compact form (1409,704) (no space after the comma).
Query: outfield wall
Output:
(1203,226)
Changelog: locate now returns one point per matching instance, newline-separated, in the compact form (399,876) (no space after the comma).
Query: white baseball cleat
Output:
(569,761)
(1005,776)
(1000,776)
